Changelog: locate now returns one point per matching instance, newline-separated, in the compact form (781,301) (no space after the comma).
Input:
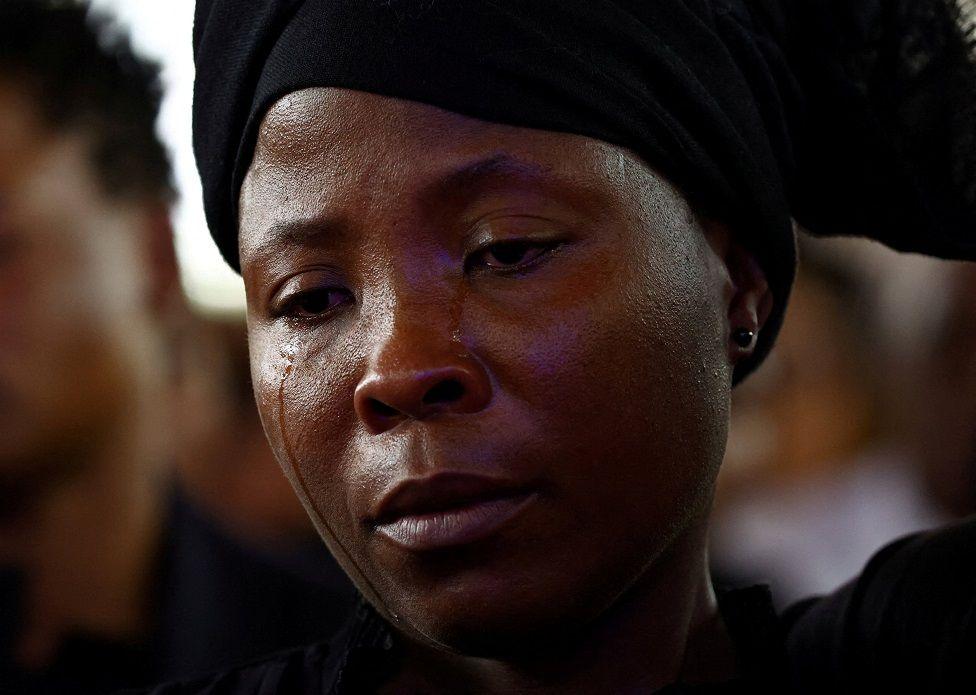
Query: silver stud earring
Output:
(743,337)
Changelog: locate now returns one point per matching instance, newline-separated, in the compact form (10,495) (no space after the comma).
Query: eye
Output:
(314,303)
(511,255)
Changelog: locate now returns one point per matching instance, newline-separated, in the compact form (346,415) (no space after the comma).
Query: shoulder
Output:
(908,621)
(302,670)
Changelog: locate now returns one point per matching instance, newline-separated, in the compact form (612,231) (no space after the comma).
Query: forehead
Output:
(302,126)
(328,148)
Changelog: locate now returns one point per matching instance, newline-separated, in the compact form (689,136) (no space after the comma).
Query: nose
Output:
(419,383)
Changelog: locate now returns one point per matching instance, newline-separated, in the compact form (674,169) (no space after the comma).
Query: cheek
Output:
(627,377)
(291,395)
(674,372)
(304,395)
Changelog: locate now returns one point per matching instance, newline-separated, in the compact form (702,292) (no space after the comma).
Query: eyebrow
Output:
(301,232)
(472,176)
(499,166)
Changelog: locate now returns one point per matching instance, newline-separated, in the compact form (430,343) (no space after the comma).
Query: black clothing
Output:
(217,604)
(907,624)
(84,663)
(855,117)
(223,602)
(363,655)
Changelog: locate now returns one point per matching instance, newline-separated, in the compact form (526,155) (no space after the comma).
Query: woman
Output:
(505,261)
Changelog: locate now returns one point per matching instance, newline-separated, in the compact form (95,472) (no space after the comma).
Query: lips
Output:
(447,510)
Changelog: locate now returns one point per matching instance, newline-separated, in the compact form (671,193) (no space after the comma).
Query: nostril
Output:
(382,409)
(447,391)
(383,402)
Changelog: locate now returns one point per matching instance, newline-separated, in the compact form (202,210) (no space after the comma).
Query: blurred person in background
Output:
(939,404)
(820,475)
(109,577)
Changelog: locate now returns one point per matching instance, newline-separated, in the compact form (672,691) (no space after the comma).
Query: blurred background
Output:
(859,428)
(146,532)
(161,31)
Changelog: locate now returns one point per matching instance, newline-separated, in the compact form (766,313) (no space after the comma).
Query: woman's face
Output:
(493,361)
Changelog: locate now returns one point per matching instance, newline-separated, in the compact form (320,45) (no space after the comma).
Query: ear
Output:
(747,297)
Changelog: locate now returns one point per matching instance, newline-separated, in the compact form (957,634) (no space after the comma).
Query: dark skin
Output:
(579,314)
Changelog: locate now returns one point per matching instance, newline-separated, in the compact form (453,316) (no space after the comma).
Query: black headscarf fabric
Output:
(852,117)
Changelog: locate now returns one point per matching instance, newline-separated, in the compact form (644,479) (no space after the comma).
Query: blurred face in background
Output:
(72,297)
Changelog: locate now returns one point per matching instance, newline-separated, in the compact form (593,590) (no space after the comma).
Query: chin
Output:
(500,616)
(502,634)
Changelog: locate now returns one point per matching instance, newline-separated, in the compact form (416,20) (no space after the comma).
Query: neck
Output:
(86,542)
(665,629)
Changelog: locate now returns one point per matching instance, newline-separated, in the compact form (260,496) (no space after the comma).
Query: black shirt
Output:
(216,603)
(907,624)
(362,656)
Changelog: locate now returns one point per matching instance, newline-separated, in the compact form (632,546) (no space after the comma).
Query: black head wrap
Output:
(853,117)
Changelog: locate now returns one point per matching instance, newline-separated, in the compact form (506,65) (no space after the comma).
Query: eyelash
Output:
(291,307)
(544,248)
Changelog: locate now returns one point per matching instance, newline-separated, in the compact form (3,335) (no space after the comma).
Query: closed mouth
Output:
(448,509)
(459,525)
